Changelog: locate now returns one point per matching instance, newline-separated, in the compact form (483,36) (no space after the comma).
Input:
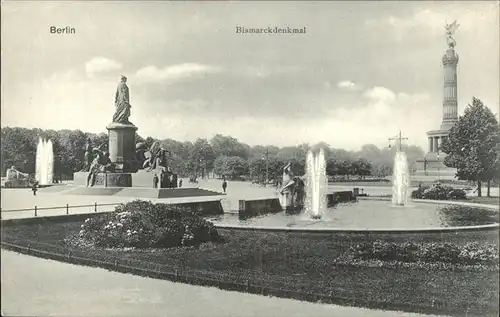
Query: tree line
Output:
(221,155)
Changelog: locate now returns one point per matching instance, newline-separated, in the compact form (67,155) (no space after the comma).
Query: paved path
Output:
(53,197)
(39,287)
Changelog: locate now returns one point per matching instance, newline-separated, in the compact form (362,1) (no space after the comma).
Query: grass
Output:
(484,200)
(298,262)
(456,216)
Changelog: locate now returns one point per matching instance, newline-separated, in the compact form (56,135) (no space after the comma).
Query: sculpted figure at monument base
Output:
(100,164)
(16,179)
(12,174)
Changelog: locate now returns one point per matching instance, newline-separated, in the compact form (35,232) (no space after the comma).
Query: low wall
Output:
(203,208)
(340,197)
(49,219)
(167,192)
(255,207)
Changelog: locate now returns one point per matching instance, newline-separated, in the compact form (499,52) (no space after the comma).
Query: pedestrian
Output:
(34,188)
(155,181)
(162,178)
(224,184)
(180,183)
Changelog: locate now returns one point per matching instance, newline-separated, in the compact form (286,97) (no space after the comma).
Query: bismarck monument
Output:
(114,167)
(432,165)
(127,168)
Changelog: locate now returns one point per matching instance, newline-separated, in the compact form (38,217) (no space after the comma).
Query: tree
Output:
(257,169)
(333,166)
(18,148)
(229,146)
(236,167)
(472,145)
(231,166)
(220,165)
(259,151)
(363,168)
(202,156)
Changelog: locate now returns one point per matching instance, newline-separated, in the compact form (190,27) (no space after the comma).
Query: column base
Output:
(122,147)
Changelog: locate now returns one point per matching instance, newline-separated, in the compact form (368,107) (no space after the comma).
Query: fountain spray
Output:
(316,184)
(44,162)
(401,175)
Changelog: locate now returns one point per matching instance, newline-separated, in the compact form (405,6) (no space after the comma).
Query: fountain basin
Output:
(360,215)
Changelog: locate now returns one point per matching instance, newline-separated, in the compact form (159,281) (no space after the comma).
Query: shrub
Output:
(438,192)
(142,224)
(457,194)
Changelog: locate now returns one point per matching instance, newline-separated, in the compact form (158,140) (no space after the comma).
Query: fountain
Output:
(400,180)
(316,184)
(44,162)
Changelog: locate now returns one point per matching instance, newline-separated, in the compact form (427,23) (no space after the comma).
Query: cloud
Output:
(380,94)
(101,65)
(347,85)
(175,72)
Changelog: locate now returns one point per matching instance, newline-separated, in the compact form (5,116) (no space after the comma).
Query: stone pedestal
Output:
(104,179)
(122,147)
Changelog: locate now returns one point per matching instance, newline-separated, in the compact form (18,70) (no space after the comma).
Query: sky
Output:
(360,73)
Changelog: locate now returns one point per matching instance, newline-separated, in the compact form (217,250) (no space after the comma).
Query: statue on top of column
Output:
(450,30)
(122,103)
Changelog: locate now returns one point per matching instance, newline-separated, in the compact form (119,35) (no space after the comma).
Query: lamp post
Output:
(201,169)
(439,174)
(267,166)
(400,139)
(266,158)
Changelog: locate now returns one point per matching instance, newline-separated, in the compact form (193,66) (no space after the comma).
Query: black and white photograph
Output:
(250,158)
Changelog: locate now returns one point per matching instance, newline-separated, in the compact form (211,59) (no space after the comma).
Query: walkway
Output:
(39,287)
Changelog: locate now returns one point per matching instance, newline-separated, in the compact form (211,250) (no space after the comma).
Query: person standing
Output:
(162,178)
(155,181)
(180,183)
(224,184)
(34,188)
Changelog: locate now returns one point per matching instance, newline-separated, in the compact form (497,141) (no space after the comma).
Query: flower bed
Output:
(439,192)
(142,224)
(473,256)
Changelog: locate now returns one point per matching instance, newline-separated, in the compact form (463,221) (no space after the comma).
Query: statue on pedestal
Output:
(122,103)
(293,190)
(287,181)
(450,30)
(100,164)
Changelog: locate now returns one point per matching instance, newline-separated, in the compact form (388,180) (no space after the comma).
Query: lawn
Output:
(484,200)
(457,216)
(301,263)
